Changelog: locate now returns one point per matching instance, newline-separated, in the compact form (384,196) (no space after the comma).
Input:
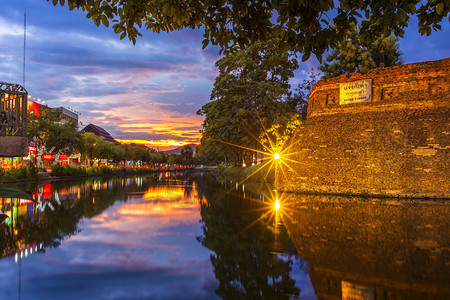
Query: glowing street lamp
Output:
(276,156)
(277,205)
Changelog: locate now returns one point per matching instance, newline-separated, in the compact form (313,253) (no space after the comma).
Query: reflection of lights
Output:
(26,252)
(277,205)
(164,193)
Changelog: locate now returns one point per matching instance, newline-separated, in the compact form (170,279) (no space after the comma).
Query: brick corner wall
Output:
(397,144)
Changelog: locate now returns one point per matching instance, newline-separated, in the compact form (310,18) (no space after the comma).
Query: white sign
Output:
(356,91)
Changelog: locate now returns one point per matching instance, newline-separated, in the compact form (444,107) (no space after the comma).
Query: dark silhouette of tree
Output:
(243,259)
(308,27)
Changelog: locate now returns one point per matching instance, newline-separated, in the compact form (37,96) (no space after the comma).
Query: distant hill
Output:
(178,150)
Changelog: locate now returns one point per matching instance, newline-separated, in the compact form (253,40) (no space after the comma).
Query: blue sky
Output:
(149,91)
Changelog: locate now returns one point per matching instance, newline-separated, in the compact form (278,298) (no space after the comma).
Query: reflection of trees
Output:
(242,259)
(88,198)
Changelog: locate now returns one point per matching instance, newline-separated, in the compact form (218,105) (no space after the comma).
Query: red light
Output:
(47,157)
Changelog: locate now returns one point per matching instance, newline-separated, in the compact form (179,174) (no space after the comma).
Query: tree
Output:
(48,129)
(93,146)
(242,238)
(247,97)
(187,154)
(303,26)
(299,101)
(353,56)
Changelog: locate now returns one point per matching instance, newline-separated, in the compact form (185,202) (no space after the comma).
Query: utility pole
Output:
(24,43)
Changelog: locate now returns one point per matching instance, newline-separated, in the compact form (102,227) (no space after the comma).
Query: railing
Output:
(13,110)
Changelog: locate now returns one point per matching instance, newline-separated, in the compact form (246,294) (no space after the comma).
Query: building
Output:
(69,115)
(100,132)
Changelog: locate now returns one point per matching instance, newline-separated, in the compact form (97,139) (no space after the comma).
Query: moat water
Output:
(192,236)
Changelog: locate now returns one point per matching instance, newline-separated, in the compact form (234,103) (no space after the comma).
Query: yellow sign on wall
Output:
(356,91)
(352,291)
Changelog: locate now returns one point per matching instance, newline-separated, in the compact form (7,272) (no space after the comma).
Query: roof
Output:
(100,132)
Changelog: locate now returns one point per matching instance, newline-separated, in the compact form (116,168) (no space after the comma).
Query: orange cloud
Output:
(166,144)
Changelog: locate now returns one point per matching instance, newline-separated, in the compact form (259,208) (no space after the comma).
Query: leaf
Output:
(439,8)
(105,21)
(306,56)
(62,2)
(205,43)
(13,193)
(401,15)
(117,28)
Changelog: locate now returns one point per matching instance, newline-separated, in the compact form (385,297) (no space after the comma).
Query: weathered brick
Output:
(377,147)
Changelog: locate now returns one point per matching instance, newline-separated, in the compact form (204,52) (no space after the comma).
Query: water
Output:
(190,236)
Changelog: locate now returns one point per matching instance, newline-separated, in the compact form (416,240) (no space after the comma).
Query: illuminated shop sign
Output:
(47,156)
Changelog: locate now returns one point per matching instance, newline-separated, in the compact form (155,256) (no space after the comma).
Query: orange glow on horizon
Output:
(157,143)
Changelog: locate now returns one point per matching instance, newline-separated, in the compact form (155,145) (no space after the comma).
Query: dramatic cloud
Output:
(163,79)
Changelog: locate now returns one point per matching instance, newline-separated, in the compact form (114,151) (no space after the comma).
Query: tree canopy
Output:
(247,98)
(305,26)
(52,133)
(353,56)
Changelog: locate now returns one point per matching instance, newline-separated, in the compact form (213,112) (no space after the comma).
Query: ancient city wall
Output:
(394,142)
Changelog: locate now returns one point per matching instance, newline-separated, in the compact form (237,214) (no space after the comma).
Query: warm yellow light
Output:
(276,156)
(277,204)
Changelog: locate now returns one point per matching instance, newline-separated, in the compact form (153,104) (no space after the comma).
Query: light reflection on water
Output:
(188,236)
(129,238)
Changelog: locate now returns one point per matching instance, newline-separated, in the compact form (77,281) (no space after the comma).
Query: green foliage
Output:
(221,167)
(352,55)
(281,131)
(187,155)
(248,96)
(20,172)
(93,146)
(51,132)
(65,170)
(309,27)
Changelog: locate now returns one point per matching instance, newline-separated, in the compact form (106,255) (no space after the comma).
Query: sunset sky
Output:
(148,92)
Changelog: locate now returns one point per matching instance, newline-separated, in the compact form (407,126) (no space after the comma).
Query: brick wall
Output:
(397,144)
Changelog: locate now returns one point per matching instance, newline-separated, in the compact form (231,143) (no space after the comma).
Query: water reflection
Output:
(97,239)
(253,257)
(190,236)
(389,249)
